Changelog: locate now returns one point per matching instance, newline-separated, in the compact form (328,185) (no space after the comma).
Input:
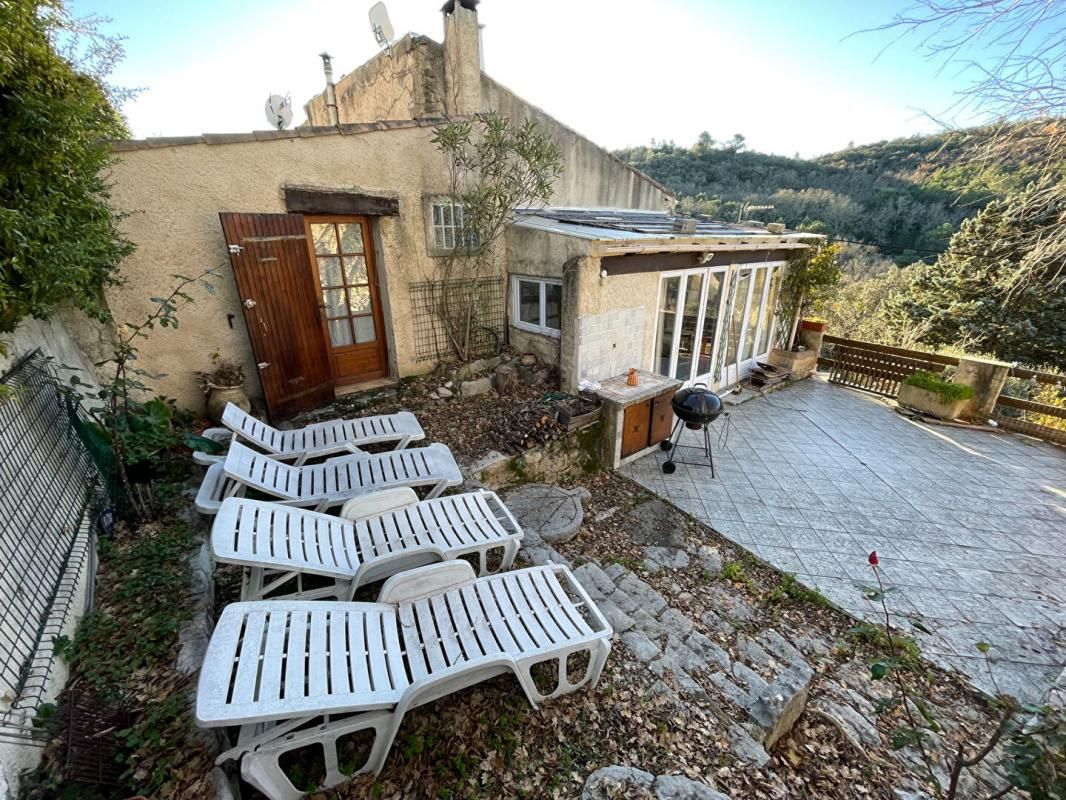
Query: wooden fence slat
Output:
(1031,405)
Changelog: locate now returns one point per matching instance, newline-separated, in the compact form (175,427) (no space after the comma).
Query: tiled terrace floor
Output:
(970,526)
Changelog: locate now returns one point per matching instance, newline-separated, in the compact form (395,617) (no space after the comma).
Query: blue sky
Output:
(622,72)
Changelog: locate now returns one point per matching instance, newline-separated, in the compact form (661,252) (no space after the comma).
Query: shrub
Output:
(947,392)
(59,238)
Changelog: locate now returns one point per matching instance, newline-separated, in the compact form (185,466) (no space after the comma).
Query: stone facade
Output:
(609,343)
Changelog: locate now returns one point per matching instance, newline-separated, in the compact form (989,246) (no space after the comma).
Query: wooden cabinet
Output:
(636,426)
(647,423)
(662,417)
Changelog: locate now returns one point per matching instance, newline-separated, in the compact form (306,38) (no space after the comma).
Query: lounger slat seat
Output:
(278,543)
(321,439)
(356,666)
(329,483)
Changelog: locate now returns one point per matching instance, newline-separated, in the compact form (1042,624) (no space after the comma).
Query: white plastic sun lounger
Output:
(378,535)
(330,483)
(295,674)
(319,440)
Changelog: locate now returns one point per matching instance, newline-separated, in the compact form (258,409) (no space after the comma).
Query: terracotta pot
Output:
(219,396)
(814,325)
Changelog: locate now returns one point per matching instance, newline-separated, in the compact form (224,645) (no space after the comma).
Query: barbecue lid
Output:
(697,404)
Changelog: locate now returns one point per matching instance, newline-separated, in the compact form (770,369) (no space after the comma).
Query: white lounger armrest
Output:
(378,503)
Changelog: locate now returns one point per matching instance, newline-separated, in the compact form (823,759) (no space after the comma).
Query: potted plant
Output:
(223,383)
(929,394)
(816,324)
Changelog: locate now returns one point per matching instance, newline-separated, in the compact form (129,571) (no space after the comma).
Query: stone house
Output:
(334,233)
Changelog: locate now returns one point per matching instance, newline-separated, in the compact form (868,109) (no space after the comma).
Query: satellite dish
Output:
(279,111)
(382,28)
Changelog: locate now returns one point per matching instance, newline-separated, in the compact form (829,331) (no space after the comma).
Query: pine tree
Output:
(972,296)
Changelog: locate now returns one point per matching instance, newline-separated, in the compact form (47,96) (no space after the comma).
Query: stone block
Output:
(643,648)
(648,624)
(595,581)
(747,749)
(475,387)
(678,787)
(676,623)
(777,707)
(619,620)
(708,650)
(606,782)
(669,557)
(643,594)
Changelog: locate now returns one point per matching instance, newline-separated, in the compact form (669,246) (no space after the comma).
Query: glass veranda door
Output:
(748,335)
(690,309)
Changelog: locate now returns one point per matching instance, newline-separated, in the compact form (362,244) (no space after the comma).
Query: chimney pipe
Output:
(331,90)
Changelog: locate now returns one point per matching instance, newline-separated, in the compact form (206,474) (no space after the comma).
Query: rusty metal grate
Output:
(484,295)
(90,743)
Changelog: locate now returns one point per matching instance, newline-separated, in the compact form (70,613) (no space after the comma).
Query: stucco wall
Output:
(593,177)
(174,196)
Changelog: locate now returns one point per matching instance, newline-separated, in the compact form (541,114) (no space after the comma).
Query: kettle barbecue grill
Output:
(695,408)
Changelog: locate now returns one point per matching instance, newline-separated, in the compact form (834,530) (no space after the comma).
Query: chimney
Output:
(331,89)
(462,58)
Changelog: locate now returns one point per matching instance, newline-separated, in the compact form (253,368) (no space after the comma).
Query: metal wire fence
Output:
(51,491)
(430,300)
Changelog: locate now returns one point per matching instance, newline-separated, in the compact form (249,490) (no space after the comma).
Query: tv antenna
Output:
(279,111)
(382,28)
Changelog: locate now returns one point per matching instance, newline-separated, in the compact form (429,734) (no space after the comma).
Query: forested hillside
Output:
(908,195)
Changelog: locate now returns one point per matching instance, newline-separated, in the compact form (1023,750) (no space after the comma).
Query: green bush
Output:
(59,238)
(947,392)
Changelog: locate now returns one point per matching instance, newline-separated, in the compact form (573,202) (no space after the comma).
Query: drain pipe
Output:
(331,90)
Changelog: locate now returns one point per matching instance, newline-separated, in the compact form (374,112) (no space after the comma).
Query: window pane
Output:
(438,215)
(355,270)
(553,306)
(364,329)
(340,332)
(736,320)
(765,345)
(335,303)
(529,302)
(664,339)
(689,318)
(756,308)
(710,323)
(325,237)
(329,271)
(351,237)
(359,299)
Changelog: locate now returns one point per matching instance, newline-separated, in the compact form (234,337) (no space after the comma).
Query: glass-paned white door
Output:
(714,323)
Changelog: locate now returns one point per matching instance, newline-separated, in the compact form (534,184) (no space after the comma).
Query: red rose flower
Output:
(873,558)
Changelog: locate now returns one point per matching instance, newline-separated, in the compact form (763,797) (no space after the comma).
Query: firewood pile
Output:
(534,422)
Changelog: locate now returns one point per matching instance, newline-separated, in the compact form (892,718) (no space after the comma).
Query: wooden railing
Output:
(880,369)
(877,368)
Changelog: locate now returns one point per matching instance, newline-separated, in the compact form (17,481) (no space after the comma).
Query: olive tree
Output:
(494,167)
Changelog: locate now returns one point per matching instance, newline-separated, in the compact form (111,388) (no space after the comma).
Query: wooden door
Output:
(268,253)
(662,417)
(343,257)
(635,423)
